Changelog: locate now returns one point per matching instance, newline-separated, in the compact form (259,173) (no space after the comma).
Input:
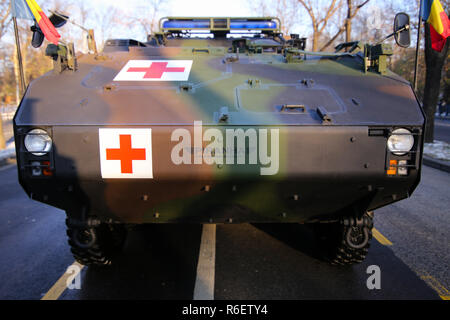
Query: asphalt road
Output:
(246,261)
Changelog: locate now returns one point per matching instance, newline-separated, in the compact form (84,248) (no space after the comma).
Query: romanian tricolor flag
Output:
(434,14)
(27,8)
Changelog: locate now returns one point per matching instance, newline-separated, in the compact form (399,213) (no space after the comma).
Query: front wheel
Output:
(98,245)
(345,242)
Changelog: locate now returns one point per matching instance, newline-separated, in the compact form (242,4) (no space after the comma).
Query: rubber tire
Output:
(331,239)
(109,240)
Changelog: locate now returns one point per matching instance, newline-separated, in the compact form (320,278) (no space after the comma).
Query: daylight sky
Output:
(190,7)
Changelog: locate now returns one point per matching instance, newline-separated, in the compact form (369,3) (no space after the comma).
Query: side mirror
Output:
(38,36)
(402,30)
(58,20)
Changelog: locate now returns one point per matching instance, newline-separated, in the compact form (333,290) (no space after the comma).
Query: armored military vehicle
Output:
(220,120)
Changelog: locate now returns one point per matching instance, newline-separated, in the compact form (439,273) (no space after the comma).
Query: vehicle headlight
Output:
(38,142)
(400,142)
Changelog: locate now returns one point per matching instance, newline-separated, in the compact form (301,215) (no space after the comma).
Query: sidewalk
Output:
(442,112)
(437,155)
(442,117)
(9,152)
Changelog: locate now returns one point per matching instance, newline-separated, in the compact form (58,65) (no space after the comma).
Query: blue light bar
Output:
(186,24)
(234,24)
(253,25)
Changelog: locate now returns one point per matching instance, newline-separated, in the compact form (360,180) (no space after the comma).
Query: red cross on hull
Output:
(156,70)
(126,154)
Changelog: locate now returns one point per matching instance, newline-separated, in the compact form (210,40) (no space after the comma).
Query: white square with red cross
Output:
(125,153)
(155,70)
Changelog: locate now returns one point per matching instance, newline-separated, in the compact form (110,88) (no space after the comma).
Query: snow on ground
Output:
(438,150)
(8,152)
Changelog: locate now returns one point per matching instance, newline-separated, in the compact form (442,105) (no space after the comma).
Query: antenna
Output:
(92,46)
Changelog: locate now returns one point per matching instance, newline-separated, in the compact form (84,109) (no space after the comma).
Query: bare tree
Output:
(352,11)
(5,20)
(147,18)
(5,17)
(107,21)
(150,22)
(320,16)
(285,10)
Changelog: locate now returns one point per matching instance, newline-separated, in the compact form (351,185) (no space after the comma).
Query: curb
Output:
(7,156)
(7,162)
(437,164)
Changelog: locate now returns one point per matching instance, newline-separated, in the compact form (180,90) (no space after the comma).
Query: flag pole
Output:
(419,29)
(19,58)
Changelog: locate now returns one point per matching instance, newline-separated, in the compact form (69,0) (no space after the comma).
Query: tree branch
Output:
(340,31)
(5,21)
(310,11)
(358,8)
(331,11)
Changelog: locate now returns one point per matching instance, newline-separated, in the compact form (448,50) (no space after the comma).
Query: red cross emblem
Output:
(156,70)
(126,154)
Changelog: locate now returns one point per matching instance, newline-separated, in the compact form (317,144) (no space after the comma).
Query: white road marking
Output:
(204,283)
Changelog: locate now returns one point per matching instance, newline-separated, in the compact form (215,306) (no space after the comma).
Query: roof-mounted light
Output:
(252,25)
(186,24)
(219,24)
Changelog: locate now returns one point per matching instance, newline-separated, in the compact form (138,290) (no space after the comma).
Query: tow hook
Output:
(84,238)
(84,234)
(357,231)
